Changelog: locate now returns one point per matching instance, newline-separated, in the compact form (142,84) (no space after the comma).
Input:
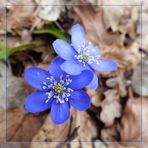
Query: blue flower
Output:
(80,55)
(57,90)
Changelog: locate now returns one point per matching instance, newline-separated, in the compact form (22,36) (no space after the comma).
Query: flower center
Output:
(58,89)
(86,54)
(84,57)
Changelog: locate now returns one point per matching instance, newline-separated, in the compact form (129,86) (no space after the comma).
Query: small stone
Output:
(4,73)
(99,144)
(16,92)
(139,78)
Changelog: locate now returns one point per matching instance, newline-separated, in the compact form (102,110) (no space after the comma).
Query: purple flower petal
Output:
(80,100)
(36,76)
(92,50)
(94,83)
(72,67)
(82,80)
(104,65)
(60,112)
(63,49)
(77,36)
(55,69)
(35,102)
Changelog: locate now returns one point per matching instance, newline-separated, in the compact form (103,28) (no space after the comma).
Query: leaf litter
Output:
(118,106)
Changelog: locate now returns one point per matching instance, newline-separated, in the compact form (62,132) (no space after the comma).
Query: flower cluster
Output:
(82,55)
(62,85)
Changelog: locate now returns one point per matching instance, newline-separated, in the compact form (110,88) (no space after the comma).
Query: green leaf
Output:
(51,29)
(6,51)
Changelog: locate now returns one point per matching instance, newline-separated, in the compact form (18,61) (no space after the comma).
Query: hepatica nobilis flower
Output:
(57,90)
(79,56)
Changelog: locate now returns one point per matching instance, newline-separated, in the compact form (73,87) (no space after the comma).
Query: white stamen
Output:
(51,85)
(85,49)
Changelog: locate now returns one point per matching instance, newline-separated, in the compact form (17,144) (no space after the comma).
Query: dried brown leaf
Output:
(131,121)
(22,126)
(111,107)
(95,27)
(110,112)
(119,83)
(51,132)
(109,134)
(2,125)
(134,123)
(95,97)
(86,132)
(121,18)
(20,17)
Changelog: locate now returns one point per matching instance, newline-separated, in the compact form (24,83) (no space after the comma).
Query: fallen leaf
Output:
(111,108)
(95,97)
(2,125)
(134,123)
(20,17)
(86,132)
(131,121)
(119,83)
(110,112)
(22,126)
(15,145)
(93,22)
(118,145)
(121,18)
(52,132)
(109,134)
